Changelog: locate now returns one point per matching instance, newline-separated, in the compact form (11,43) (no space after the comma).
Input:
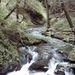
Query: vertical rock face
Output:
(43,59)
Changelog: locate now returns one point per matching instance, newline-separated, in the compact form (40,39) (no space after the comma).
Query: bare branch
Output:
(10,13)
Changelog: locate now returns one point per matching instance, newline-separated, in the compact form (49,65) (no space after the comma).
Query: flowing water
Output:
(53,62)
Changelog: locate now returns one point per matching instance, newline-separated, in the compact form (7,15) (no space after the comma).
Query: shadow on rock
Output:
(6,68)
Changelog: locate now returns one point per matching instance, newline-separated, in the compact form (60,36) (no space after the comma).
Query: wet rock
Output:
(60,73)
(25,58)
(73,71)
(4,69)
(59,70)
(68,69)
(43,60)
(64,55)
(57,35)
(64,51)
(24,55)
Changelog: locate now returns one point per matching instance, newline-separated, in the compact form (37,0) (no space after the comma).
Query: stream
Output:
(54,61)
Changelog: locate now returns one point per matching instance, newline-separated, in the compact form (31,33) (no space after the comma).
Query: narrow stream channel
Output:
(54,61)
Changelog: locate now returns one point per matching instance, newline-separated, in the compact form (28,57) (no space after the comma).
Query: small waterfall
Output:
(51,70)
(56,59)
(52,66)
(24,70)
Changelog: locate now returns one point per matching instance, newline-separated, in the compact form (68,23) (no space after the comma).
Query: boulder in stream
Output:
(65,50)
(6,68)
(43,59)
(59,70)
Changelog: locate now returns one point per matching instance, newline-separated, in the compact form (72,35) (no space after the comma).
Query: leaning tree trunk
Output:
(10,13)
(68,18)
(17,10)
(47,10)
(0,1)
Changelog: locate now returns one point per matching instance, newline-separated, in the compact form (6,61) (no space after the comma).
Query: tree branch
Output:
(0,1)
(10,13)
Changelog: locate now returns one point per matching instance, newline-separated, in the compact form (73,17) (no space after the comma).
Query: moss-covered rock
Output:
(12,32)
(71,55)
(31,10)
(8,53)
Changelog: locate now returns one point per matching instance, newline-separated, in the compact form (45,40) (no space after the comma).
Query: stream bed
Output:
(43,59)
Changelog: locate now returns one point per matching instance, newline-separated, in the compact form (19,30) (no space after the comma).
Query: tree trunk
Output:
(10,13)
(17,8)
(47,10)
(0,1)
(68,18)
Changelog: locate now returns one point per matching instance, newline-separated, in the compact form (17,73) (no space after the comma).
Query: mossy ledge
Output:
(12,33)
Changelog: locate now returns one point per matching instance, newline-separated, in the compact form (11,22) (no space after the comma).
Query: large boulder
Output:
(43,60)
(65,50)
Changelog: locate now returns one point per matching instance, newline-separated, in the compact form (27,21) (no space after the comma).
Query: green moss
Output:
(7,54)
(12,33)
(71,55)
(35,6)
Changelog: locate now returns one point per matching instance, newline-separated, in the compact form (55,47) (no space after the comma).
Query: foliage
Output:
(71,55)
(12,33)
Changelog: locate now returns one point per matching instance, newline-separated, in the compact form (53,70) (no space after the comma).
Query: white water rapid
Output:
(25,71)
(52,64)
